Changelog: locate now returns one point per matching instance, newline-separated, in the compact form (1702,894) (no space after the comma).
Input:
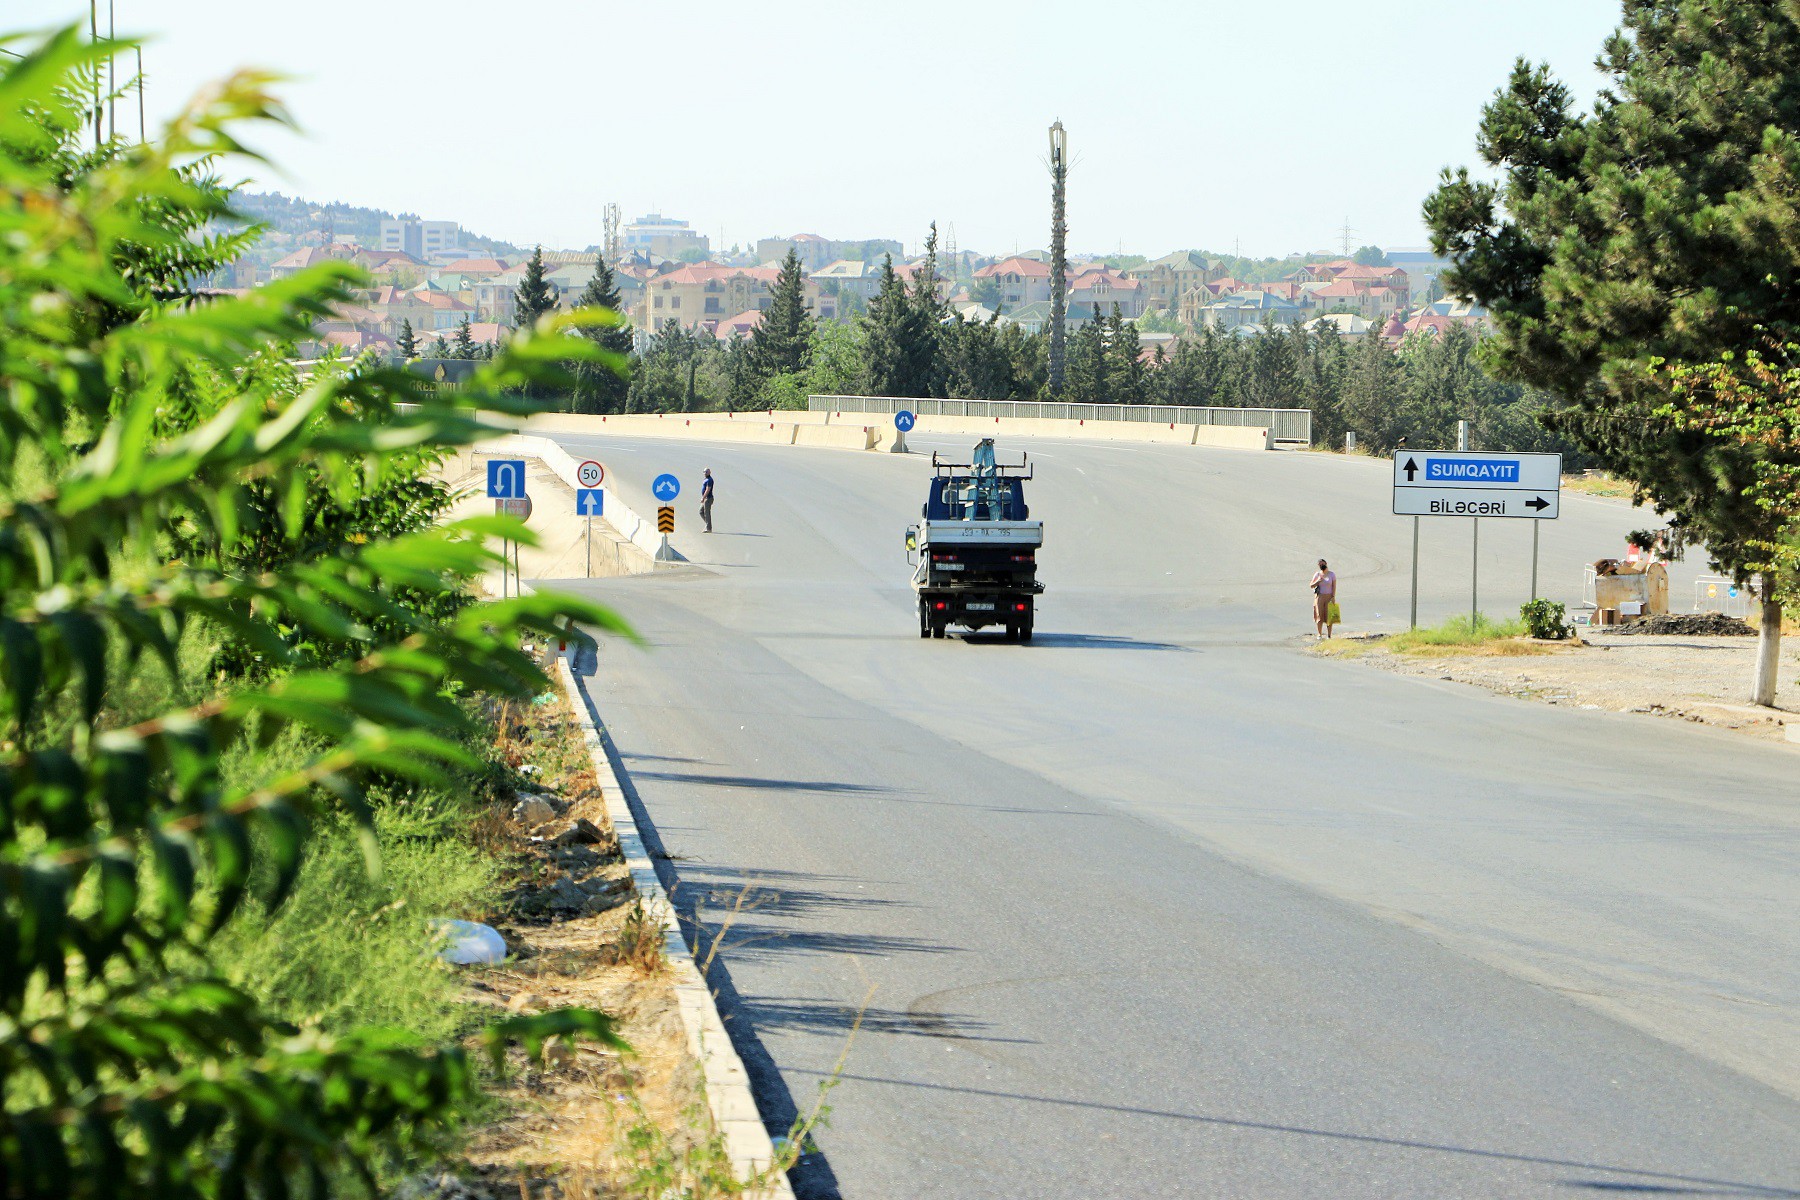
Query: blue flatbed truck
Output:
(976,547)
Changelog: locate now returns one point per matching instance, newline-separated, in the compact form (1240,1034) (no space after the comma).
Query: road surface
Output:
(1159,905)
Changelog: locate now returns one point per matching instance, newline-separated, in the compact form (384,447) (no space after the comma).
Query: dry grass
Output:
(1597,483)
(587,1122)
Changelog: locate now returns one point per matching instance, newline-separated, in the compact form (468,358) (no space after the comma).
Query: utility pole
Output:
(94,36)
(1059,267)
(1346,234)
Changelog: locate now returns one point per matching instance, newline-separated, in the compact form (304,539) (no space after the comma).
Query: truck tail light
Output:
(944,558)
(1018,608)
(1022,558)
(940,606)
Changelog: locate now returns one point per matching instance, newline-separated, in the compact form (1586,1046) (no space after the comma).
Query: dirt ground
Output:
(589,1122)
(1700,679)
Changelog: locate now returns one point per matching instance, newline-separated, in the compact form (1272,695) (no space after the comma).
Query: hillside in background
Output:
(298,219)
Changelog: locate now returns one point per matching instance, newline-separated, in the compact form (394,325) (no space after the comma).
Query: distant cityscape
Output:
(435,277)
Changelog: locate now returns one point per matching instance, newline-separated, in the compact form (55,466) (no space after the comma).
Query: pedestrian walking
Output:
(706,498)
(1325,608)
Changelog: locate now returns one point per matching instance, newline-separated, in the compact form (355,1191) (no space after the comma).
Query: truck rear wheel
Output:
(1025,630)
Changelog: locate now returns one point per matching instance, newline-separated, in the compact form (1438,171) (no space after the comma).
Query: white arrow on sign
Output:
(1475,502)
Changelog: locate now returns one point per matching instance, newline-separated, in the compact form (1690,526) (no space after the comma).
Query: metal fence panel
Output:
(1285,424)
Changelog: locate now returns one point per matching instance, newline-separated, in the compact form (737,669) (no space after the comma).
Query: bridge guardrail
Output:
(1284,424)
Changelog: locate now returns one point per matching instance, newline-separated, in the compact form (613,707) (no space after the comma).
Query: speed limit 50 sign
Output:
(590,474)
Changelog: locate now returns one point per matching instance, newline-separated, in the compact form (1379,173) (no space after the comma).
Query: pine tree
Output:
(1125,370)
(409,341)
(1661,227)
(1085,380)
(782,341)
(535,296)
(901,346)
(465,342)
(931,314)
(604,387)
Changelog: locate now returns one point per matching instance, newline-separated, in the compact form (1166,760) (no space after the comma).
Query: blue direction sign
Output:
(506,478)
(590,501)
(665,487)
(904,421)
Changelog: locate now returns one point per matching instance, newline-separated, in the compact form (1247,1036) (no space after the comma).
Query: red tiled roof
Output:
(1030,268)
(472,266)
(743,323)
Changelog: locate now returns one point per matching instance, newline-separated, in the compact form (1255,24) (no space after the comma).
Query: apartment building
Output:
(701,295)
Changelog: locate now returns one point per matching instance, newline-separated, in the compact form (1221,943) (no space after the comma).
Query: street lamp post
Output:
(1059,300)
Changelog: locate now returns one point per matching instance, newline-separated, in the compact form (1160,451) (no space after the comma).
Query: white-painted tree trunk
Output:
(1768,646)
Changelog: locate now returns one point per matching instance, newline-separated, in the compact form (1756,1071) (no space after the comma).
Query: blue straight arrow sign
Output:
(590,502)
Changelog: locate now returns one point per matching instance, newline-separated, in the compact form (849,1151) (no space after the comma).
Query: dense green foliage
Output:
(230,625)
(601,387)
(1660,226)
(534,298)
(1547,619)
(782,341)
(1752,404)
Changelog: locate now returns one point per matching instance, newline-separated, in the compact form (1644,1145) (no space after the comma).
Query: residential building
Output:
(431,312)
(421,239)
(1342,324)
(742,325)
(1422,267)
(843,287)
(1022,280)
(664,237)
(308,256)
(1249,309)
(1097,288)
(700,295)
(1167,279)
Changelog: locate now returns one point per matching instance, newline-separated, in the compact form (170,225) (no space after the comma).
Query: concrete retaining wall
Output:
(875,431)
(1232,436)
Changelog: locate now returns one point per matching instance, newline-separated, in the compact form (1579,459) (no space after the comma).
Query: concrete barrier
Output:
(844,437)
(1160,433)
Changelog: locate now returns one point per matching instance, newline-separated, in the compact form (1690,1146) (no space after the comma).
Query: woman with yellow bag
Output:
(1325,608)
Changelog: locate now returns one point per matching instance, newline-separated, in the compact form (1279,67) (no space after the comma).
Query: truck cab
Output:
(976,547)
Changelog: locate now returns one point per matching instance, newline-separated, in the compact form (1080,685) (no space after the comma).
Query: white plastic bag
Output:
(467,943)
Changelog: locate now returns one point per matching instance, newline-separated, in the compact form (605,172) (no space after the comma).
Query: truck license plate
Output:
(949,566)
(979,606)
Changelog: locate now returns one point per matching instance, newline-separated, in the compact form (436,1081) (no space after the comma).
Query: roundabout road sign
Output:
(590,474)
(665,487)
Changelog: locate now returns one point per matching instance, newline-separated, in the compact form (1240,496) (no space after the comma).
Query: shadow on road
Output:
(1076,641)
(1645,1182)
(758,782)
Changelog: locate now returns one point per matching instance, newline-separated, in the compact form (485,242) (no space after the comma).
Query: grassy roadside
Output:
(1476,635)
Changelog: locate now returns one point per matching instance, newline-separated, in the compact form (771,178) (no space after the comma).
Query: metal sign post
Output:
(517,505)
(1475,574)
(1535,530)
(1415,594)
(590,502)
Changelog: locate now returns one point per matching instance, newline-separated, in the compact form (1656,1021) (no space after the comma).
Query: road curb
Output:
(727,1085)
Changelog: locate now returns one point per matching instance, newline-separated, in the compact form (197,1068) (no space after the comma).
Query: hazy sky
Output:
(1192,123)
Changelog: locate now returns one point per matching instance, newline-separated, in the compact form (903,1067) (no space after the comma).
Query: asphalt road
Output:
(1160,906)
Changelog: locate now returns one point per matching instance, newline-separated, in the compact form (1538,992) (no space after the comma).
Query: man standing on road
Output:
(706,498)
